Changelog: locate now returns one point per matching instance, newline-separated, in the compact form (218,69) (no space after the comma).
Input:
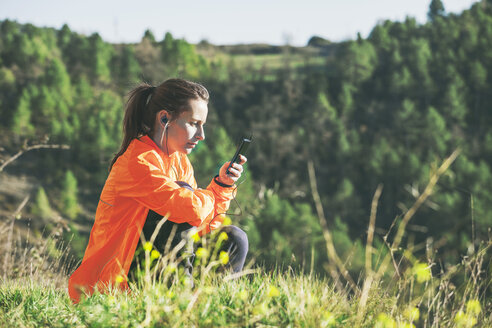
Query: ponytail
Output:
(136,117)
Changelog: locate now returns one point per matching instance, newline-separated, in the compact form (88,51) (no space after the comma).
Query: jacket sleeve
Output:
(222,199)
(146,181)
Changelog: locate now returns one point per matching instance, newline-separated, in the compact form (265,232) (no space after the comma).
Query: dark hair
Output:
(145,101)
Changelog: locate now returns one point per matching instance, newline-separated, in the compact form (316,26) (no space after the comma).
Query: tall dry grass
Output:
(397,289)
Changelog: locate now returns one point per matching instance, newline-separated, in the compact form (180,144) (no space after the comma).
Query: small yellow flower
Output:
(412,314)
(227,221)
(385,321)
(147,246)
(273,292)
(422,271)
(243,295)
(177,312)
(119,279)
(406,325)
(208,290)
(170,268)
(111,299)
(473,307)
(186,281)
(223,236)
(154,254)
(459,316)
(224,257)
(195,237)
(329,320)
(472,321)
(169,294)
(260,309)
(464,319)
(201,253)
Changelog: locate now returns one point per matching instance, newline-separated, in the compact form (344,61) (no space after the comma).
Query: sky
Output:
(221,22)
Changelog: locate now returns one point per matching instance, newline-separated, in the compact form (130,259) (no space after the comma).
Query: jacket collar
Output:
(148,141)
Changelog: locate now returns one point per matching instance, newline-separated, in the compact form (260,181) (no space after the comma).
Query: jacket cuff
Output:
(222,184)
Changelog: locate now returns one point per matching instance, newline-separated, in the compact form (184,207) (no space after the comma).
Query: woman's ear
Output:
(163,116)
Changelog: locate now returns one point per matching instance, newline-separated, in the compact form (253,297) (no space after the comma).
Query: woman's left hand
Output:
(234,172)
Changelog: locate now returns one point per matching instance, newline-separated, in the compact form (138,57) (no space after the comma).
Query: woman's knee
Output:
(236,235)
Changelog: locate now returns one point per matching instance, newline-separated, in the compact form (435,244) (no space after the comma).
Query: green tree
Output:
(436,135)
(454,101)
(8,95)
(57,76)
(64,35)
(148,56)
(149,35)
(350,250)
(99,58)
(45,108)
(21,119)
(69,199)
(356,61)
(23,50)
(317,41)
(125,65)
(419,58)
(77,56)
(478,75)
(181,59)
(41,206)
(286,232)
(436,9)
(9,31)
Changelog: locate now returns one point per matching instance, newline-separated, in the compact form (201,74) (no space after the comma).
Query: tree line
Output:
(381,110)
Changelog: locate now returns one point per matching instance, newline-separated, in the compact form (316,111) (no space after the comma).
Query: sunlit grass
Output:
(259,298)
(407,293)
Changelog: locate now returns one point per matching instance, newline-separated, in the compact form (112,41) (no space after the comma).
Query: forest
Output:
(384,110)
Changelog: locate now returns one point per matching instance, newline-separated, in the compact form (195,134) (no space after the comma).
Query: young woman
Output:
(151,177)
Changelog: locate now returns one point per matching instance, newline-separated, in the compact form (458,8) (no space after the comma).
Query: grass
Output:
(275,61)
(261,299)
(396,289)
(280,298)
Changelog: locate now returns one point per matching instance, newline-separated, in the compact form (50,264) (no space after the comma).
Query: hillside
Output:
(334,124)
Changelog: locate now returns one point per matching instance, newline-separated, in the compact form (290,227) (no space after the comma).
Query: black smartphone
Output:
(241,150)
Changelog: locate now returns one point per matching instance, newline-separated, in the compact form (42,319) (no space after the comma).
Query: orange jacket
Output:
(142,178)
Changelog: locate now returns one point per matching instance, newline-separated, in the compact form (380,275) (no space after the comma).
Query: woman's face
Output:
(184,132)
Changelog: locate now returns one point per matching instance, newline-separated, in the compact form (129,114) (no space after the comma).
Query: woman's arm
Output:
(224,190)
(146,181)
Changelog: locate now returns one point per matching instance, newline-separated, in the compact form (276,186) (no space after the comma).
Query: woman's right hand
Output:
(234,172)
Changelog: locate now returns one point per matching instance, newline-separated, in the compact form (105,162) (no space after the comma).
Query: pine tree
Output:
(41,206)
(21,120)
(436,9)
(64,35)
(478,75)
(454,101)
(8,95)
(126,66)
(57,77)
(100,54)
(436,134)
(70,206)
(149,35)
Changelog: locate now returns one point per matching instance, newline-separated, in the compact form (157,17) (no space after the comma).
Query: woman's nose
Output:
(200,134)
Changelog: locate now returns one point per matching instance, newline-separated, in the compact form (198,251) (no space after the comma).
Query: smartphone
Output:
(241,150)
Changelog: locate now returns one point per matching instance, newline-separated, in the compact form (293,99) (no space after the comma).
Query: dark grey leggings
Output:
(236,244)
